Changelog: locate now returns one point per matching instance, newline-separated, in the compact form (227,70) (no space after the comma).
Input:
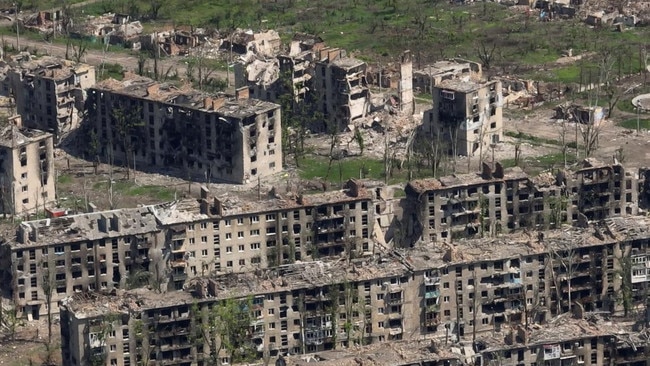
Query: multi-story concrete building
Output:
(82,253)
(295,308)
(165,245)
(467,114)
(26,169)
(231,235)
(432,75)
(190,133)
(453,294)
(49,92)
(341,88)
(494,202)
(567,341)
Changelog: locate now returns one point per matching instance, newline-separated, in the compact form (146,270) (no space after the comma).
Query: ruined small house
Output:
(581,114)
(466,114)
(190,133)
(263,43)
(49,92)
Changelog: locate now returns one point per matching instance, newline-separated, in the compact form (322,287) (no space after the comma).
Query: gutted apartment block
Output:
(341,88)
(295,308)
(49,92)
(78,254)
(476,290)
(466,115)
(190,133)
(432,75)
(165,245)
(26,169)
(234,234)
(567,341)
(495,202)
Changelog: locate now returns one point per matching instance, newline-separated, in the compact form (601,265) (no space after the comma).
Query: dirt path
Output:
(635,149)
(95,57)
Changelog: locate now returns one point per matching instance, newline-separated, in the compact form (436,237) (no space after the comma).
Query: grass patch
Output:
(377,28)
(64,179)
(342,169)
(398,193)
(535,164)
(130,189)
(115,71)
(626,106)
(631,123)
(534,140)
(315,167)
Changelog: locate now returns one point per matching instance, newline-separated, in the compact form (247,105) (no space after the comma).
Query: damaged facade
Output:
(213,137)
(77,254)
(341,88)
(49,92)
(26,169)
(495,202)
(482,290)
(431,75)
(467,114)
(594,341)
(326,78)
(230,235)
(174,242)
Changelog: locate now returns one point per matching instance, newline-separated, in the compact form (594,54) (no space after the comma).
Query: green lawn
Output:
(377,28)
(131,189)
(535,164)
(316,167)
(631,123)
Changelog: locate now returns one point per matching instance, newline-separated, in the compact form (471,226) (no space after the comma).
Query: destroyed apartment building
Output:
(188,132)
(326,78)
(432,75)
(96,251)
(177,241)
(502,201)
(466,116)
(591,340)
(26,169)
(506,286)
(49,93)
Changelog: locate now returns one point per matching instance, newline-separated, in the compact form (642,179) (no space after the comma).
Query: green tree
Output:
(225,326)
(625,296)
(128,124)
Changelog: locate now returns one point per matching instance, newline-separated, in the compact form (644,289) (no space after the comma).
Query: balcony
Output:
(430,281)
(395,331)
(432,322)
(432,294)
(180,263)
(171,347)
(181,276)
(393,301)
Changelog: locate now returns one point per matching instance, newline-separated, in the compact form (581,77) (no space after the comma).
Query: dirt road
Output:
(611,138)
(95,57)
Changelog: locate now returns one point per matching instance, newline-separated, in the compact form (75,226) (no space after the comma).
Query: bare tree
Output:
(563,140)
(154,8)
(485,51)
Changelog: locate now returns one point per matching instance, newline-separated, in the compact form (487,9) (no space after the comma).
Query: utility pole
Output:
(638,127)
(17,27)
